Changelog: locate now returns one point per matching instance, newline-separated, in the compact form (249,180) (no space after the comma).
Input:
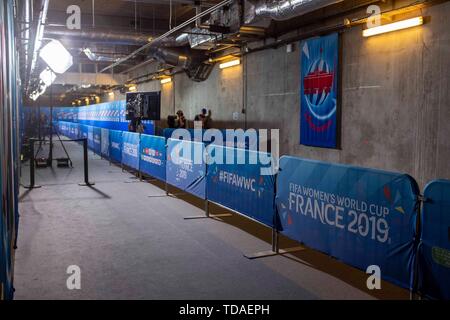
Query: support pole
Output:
(32,162)
(86,168)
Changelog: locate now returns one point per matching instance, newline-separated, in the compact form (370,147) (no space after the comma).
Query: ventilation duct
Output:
(95,57)
(191,61)
(180,41)
(282,10)
(118,38)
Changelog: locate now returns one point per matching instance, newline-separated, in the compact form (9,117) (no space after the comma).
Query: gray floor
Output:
(131,246)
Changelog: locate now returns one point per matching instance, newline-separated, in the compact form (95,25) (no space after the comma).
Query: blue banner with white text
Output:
(115,145)
(90,137)
(104,149)
(361,216)
(108,115)
(130,149)
(185,168)
(434,248)
(84,131)
(153,156)
(319,91)
(97,132)
(244,183)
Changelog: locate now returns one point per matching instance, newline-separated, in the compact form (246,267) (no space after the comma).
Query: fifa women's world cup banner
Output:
(318,91)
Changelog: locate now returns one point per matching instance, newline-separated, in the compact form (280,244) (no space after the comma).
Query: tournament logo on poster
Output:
(318,92)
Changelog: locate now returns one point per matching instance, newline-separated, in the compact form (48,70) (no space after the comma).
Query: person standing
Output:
(181,120)
(204,117)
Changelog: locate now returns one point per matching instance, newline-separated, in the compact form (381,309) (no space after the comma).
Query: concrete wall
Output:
(395,98)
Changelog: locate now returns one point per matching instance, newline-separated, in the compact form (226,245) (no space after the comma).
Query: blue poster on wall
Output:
(361,216)
(153,156)
(319,91)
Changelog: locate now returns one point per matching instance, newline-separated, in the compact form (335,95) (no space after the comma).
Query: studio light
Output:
(56,56)
(47,76)
(404,24)
(231,63)
(166,80)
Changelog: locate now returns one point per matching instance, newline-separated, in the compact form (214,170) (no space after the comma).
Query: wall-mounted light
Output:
(404,24)
(111,93)
(229,64)
(56,56)
(132,88)
(166,80)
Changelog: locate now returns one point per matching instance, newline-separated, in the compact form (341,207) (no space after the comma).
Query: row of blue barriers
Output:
(360,216)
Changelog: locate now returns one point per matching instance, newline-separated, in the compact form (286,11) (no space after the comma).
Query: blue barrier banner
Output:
(73,130)
(83,131)
(241,186)
(108,115)
(104,149)
(115,145)
(361,216)
(434,248)
(90,137)
(97,132)
(250,139)
(130,149)
(153,156)
(185,168)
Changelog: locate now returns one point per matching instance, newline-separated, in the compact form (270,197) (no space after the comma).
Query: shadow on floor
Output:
(312,258)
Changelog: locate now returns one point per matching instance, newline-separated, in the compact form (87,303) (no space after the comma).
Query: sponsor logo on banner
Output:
(150,154)
(115,145)
(130,149)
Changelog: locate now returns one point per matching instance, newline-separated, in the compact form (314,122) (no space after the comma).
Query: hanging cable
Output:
(93,13)
(135,15)
(170,18)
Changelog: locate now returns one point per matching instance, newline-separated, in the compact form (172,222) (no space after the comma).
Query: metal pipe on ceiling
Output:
(283,10)
(173,30)
(119,38)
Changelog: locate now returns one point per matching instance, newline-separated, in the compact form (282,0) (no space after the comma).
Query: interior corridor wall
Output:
(395,112)
(9,148)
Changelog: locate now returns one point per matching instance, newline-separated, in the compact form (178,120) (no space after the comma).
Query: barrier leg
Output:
(275,248)
(86,168)
(207,214)
(32,162)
